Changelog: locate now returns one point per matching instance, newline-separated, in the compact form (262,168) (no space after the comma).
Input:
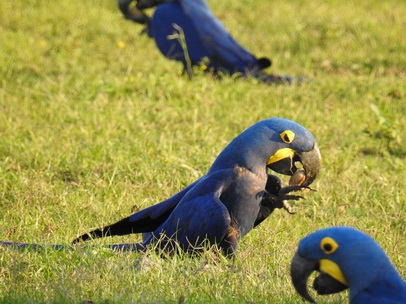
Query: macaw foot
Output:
(281,199)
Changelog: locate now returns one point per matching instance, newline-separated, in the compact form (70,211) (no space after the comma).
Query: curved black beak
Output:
(300,270)
(133,12)
(311,162)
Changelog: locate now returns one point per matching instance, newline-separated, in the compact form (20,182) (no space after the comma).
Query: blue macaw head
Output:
(282,145)
(295,146)
(344,257)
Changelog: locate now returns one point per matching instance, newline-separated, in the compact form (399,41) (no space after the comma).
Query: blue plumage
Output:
(227,202)
(205,37)
(234,196)
(208,43)
(354,260)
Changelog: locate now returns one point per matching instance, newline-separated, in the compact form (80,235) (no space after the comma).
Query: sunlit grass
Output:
(95,124)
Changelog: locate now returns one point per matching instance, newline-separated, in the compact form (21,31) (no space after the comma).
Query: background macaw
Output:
(235,195)
(207,42)
(347,258)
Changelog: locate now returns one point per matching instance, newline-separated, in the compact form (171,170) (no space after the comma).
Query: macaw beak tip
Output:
(300,272)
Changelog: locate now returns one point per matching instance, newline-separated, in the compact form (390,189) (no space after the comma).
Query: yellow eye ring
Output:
(287,136)
(328,245)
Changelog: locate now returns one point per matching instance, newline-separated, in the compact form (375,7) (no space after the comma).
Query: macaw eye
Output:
(287,136)
(328,245)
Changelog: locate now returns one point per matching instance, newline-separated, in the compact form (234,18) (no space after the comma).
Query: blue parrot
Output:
(347,258)
(206,41)
(235,195)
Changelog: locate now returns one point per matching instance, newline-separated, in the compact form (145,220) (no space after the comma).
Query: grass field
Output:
(95,124)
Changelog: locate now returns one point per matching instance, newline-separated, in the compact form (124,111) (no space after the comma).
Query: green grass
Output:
(95,123)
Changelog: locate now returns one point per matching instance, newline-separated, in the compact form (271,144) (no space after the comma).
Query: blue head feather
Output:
(253,147)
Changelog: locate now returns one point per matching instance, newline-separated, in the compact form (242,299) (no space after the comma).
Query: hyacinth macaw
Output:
(234,196)
(207,42)
(347,258)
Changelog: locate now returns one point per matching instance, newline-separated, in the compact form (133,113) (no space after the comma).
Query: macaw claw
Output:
(280,200)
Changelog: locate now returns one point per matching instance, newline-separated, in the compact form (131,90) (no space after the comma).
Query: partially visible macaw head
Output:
(296,147)
(133,9)
(282,145)
(344,257)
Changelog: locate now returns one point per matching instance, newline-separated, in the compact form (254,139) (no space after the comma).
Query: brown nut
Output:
(298,178)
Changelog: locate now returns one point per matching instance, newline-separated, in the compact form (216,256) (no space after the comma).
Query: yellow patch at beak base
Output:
(281,154)
(333,270)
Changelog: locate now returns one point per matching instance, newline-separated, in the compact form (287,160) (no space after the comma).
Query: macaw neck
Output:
(244,151)
(385,283)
